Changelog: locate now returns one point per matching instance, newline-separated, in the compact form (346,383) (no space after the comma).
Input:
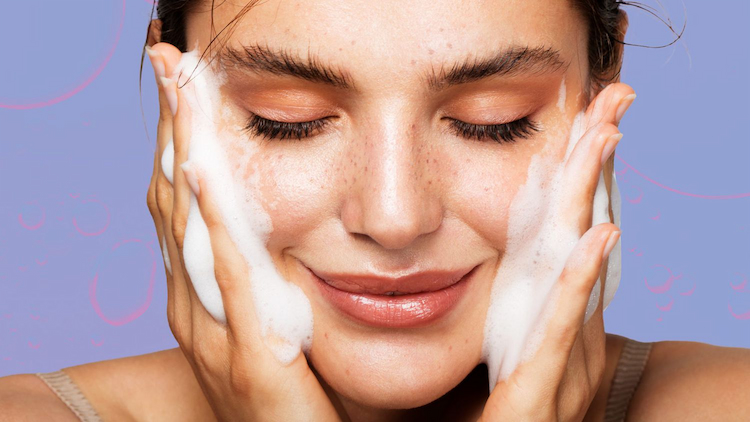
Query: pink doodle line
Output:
(679,192)
(742,316)
(149,293)
(667,284)
(85,83)
(740,287)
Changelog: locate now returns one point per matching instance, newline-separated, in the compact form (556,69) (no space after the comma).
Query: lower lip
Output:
(405,311)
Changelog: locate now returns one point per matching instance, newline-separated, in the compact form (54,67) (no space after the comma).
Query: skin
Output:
(384,189)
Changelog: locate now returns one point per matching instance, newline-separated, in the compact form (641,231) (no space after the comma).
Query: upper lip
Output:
(423,281)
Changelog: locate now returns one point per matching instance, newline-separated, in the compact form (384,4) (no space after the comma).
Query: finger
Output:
(582,173)
(570,296)
(230,268)
(165,57)
(159,194)
(610,104)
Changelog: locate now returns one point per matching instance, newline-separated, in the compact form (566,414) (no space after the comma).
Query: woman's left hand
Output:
(559,381)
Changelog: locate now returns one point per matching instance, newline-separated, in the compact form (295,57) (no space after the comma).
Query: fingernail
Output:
(611,241)
(192,179)
(609,146)
(624,105)
(170,89)
(157,61)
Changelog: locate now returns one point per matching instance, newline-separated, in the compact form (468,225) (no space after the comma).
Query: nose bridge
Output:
(392,204)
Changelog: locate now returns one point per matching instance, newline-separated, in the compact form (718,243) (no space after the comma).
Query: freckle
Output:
(347,372)
(455,173)
(413,62)
(365,168)
(427,160)
(326,334)
(468,160)
(354,42)
(449,45)
(486,189)
(466,341)
(450,348)
(441,29)
(431,51)
(340,48)
(429,182)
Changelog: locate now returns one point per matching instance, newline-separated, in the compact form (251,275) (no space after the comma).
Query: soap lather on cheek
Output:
(282,309)
(535,255)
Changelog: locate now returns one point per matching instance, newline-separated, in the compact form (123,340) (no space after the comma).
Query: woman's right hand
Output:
(240,377)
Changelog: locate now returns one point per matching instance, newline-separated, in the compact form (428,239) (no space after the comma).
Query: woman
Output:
(393,210)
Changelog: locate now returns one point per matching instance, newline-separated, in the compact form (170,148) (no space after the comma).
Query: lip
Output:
(429,296)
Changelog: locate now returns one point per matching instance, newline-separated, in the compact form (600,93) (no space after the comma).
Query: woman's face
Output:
(387,186)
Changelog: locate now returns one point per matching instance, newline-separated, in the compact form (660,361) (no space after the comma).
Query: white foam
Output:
(562,96)
(282,309)
(614,265)
(167,162)
(165,254)
(522,297)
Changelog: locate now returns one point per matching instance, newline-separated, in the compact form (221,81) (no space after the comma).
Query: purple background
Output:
(75,163)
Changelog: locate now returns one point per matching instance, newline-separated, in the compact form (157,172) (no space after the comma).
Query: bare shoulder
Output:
(156,386)
(26,397)
(693,381)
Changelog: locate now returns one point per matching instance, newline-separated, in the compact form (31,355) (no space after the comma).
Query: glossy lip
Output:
(431,296)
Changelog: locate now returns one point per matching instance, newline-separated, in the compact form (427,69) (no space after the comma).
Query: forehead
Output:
(387,39)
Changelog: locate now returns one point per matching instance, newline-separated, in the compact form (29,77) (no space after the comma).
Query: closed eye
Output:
(522,128)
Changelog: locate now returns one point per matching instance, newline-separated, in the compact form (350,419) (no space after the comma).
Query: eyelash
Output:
(501,133)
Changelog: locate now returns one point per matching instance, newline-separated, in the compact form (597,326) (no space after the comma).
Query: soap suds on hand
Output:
(282,309)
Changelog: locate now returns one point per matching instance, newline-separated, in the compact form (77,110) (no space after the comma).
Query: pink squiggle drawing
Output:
(74,195)
(667,284)
(740,287)
(85,83)
(667,307)
(638,198)
(689,292)
(141,309)
(657,216)
(34,226)
(742,316)
(97,343)
(679,192)
(34,346)
(100,231)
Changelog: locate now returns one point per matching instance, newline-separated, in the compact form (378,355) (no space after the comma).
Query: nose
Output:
(395,200)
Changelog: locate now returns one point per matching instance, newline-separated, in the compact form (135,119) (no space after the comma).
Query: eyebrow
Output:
(511,61)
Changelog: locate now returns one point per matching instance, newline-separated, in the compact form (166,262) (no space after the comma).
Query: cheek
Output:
(298,191)
(484,183)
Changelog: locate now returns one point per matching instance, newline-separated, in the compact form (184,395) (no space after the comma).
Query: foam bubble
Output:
(282,309)
(165,254)
(167,162)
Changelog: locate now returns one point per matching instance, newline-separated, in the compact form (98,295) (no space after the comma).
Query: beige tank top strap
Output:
(627,376)
(70,394)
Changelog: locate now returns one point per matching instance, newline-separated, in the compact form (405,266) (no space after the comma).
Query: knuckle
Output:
(179,222)
(153,207)
(163,195)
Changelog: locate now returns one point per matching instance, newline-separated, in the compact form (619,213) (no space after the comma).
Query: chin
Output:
(392,371)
